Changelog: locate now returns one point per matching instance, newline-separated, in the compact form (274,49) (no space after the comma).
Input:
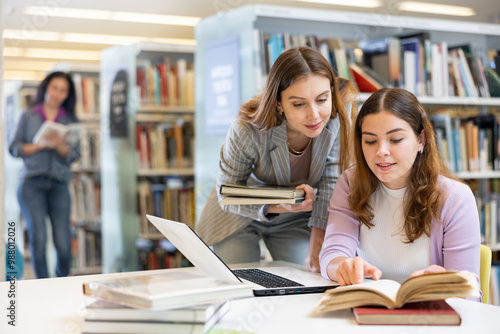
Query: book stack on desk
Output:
(246,195)
(107,317)
(165,302)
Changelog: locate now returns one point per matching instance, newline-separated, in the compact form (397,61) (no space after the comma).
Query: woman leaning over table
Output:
(45,174)
(295,134)
(398,212)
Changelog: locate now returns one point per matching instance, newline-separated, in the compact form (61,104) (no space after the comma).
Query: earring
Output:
(421,150)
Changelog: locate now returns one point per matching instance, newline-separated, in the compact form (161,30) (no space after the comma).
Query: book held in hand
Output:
(247,195)
(433,312)
(106,317)
(391,294)
(166,290)
(48,127)
(261,191)
(237,200)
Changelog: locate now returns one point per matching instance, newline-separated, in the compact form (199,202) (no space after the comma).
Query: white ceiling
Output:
(488,11)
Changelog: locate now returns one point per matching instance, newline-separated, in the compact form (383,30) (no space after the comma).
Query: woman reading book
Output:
(293,135)
(43,189)
(399,212)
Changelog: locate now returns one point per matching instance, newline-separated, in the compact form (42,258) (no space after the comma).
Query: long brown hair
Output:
(290,66)
(425,198)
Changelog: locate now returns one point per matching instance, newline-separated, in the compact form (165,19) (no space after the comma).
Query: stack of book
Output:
(247,195)
(106,317)
(167,302)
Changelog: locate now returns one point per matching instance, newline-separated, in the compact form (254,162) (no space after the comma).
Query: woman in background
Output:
(294,135)
(45,174)
(398,212)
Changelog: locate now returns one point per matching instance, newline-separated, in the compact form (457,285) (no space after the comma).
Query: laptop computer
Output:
(293,280)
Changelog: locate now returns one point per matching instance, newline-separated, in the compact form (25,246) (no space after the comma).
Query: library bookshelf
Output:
(263,31)
(146,152)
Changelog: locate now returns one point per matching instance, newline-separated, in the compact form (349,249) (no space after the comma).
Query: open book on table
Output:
(391,294)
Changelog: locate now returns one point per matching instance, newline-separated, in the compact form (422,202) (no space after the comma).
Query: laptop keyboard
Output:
(265,279)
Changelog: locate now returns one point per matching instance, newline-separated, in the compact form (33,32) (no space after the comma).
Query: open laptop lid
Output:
(194,248)
(203,258)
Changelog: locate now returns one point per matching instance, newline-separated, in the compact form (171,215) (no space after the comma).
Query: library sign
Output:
(118,105)
(222,85)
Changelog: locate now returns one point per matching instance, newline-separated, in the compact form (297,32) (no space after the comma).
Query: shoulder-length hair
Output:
(424,196)
(69,103)
(291,66)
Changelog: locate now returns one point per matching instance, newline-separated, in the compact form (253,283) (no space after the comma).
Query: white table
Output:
(57,306)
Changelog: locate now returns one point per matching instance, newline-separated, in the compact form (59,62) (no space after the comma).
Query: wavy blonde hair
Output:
(425,198)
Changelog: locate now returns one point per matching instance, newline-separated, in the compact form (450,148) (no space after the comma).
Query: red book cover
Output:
(365,83)
(436,312)
(162,69)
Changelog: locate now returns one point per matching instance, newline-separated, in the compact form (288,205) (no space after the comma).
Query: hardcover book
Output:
(365,83)
(236,200)
(104,310)
(261,191)
(436,312)
(103,317)
(391,294)
(166,290)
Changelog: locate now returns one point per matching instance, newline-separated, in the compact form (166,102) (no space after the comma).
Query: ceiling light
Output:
(433,8)
(23,75)
(51,53)
(77,13)
(89,38)
(351,3)
(30,65)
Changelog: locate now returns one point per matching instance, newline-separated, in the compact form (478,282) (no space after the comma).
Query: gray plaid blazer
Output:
(251,156)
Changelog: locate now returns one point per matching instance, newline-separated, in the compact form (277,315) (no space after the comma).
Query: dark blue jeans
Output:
(38,197)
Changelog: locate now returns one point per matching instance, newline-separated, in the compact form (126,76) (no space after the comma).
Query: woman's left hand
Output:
(304,206)
(315,244)
(430,269)
(58,143)
(55,139)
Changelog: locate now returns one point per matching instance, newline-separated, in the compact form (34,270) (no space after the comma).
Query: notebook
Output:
(295,281)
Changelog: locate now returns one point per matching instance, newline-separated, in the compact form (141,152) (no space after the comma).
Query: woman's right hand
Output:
(304,206)
(353,270)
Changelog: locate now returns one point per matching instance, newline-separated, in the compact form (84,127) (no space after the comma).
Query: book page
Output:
(388,288)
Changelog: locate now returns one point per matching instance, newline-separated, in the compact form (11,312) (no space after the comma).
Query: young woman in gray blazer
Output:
(295,134)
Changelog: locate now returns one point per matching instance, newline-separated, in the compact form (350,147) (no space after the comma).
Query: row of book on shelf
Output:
(159,254)
(413,62)
(86,248)
(89,138)
(468,144)
(85,193)
(171,199)
(487,193)
(163,82)
(495,283)
(87,95)
(165,145)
